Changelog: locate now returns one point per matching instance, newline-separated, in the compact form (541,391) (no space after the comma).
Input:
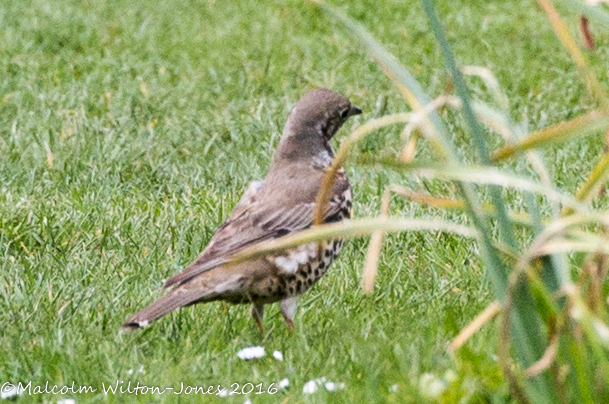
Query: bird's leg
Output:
(288,309)
(257,312)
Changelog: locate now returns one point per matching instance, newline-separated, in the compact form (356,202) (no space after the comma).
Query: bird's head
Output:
(316,117)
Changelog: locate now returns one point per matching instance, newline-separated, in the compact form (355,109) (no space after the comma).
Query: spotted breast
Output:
(303,266)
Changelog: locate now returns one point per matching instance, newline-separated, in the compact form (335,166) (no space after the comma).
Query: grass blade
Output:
(350,229)
(562,32)
(594,121)
(598,177)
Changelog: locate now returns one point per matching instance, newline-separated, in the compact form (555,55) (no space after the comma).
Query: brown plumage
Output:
(282,203)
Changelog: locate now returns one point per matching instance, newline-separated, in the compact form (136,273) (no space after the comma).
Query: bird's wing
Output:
(250,223)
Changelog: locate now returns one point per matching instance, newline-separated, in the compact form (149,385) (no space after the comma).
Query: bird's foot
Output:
(289,322)
(288,310)
(257,312)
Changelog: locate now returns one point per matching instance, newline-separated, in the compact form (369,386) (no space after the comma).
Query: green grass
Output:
(128,130)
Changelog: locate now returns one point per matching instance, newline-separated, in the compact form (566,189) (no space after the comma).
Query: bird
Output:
(283,203)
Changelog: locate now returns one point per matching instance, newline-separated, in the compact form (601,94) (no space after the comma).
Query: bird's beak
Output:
(354,110)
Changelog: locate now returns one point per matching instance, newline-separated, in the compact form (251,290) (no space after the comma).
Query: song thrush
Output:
(282,203)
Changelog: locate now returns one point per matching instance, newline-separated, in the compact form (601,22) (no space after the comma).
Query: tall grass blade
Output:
(593,184)
(562,32)
(350,229)
(584,125)
(433,129)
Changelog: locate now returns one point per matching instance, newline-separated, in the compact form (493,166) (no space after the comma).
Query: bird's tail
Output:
(166,304)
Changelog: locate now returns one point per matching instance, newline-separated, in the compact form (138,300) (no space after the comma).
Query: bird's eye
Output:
(345,113)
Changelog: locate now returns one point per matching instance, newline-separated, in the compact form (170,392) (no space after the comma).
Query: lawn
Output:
(129,130)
